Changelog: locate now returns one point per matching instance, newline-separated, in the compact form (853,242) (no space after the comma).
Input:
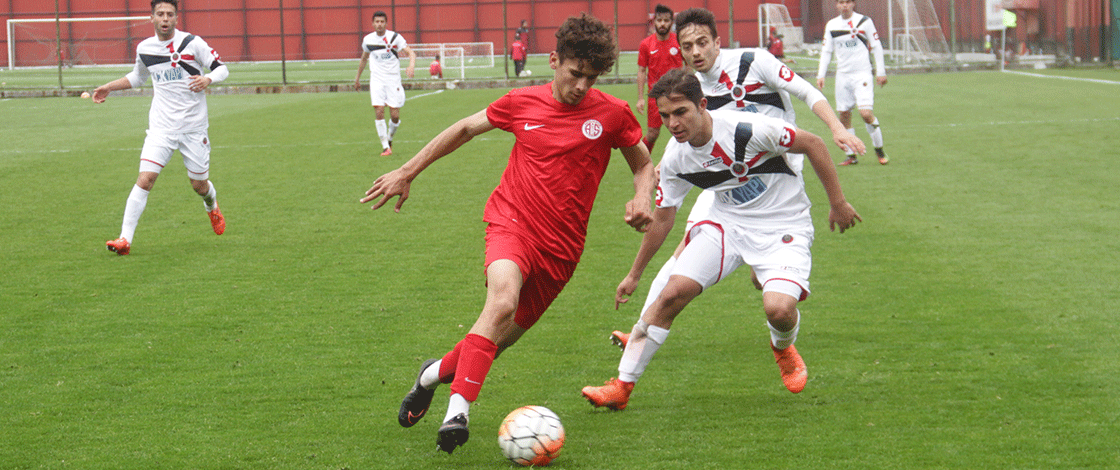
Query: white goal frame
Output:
(471,59)
(13,22)
(442,50)
(777,15)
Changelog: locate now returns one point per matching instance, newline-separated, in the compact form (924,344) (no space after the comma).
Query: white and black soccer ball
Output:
(526,73)
(531,435)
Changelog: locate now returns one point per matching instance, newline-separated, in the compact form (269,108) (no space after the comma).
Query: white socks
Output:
(784,339)
(210,200)
(457,405)
(382,133)
(137,200)
(644,342)
(429,379)
(393,125)
(876,134)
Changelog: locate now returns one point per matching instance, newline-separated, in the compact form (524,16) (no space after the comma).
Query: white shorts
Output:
(386,93)
(194,146)
(713,251)
(854,90)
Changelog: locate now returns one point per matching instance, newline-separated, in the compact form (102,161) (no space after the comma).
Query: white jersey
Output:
(170,64)
(756,81)
(745,166)
(853,39)
(384,52)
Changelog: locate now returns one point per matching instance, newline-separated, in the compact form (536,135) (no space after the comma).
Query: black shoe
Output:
(453,433)
(416,402)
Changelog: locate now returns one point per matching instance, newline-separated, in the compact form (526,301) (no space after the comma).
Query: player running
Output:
(382,49)
(760,218)
(852,35)
(178,119)
(537,216)
(744,80)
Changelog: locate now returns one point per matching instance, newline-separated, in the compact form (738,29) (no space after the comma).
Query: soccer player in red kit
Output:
(537,216)
(657,54)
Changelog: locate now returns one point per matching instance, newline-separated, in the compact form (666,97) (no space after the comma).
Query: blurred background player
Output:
(564,131)
(657,54)
(852,36)
(178,118)
(749,80)
(435,69)
(517,53)
(382,49)
(776,47)
(760,218)
(523,31)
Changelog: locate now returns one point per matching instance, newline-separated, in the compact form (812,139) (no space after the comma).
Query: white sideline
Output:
(1093,80)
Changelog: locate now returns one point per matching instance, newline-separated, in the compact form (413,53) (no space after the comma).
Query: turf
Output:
(968,322)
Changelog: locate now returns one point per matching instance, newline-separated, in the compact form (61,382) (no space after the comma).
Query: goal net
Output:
(40,42)
(915,33)
(476,55)
(773,15)
(451,59)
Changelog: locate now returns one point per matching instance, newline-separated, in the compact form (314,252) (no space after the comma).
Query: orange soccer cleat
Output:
(119,246)
(614,395)
(792,367)
(387,152)
(217,220)
(620,339)
(850,161)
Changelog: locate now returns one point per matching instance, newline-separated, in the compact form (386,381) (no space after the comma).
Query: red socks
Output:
(467,365)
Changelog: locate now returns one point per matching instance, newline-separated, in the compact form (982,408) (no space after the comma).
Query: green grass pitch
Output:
(968,322)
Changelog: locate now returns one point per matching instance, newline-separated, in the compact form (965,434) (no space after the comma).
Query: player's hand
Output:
(638,214)
(100,94)
(358,83)
(641,106)
(625,288)
(881,80)
(820,83)
(843,215)
(199,83)
(385,187)
(410,71)
(847,141)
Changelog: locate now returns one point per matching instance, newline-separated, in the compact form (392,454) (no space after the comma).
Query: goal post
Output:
(774,15)
(914,34)
(450,58)
(83,41)
(476,55)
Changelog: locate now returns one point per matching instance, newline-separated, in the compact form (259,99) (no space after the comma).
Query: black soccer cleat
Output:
(453,433)
(416,402)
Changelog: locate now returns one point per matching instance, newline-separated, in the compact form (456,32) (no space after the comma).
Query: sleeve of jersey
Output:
(826,54)
(629,131)
(500,112)
(139,73)
(876,48)
(775,136)
(643,55)
(777,72)
(208,56)
(671,190)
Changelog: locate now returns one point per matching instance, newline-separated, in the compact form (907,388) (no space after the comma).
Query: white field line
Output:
(1061,77)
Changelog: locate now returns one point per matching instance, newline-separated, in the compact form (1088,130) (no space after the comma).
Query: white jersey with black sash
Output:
(170,64)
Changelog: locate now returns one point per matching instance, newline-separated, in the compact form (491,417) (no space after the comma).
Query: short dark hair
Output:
(586,38)
(174,3)
(379,13)
(662,9)
(678,82)
(698,17)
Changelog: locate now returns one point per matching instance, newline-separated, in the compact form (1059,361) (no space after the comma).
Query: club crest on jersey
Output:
(738,92)
(175,56)
(739,169)
(592,129)
(673,51)
(785,73)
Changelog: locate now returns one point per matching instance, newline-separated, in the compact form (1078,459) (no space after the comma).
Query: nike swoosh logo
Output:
(529,128)
(471,381)
(654,51)
(414,418)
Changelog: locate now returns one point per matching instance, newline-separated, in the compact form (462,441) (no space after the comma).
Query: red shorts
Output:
(653,118)
(545,275)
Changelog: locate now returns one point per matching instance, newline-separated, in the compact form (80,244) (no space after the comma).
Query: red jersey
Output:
(434,69)
(659,56)
(559,157)
(517,50)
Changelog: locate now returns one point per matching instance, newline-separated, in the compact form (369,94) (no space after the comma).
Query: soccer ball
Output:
(531,435)
(526,73)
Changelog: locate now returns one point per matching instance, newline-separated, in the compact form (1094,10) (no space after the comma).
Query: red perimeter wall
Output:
(249,30)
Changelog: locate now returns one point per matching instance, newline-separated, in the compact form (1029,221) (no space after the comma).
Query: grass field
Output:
(969,322)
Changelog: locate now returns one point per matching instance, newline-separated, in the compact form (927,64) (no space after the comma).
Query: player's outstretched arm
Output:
(361,67)
(840,212)
(411,70)
(397,183)
(659,230)
(841,136)
(103,91)
(638,209)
